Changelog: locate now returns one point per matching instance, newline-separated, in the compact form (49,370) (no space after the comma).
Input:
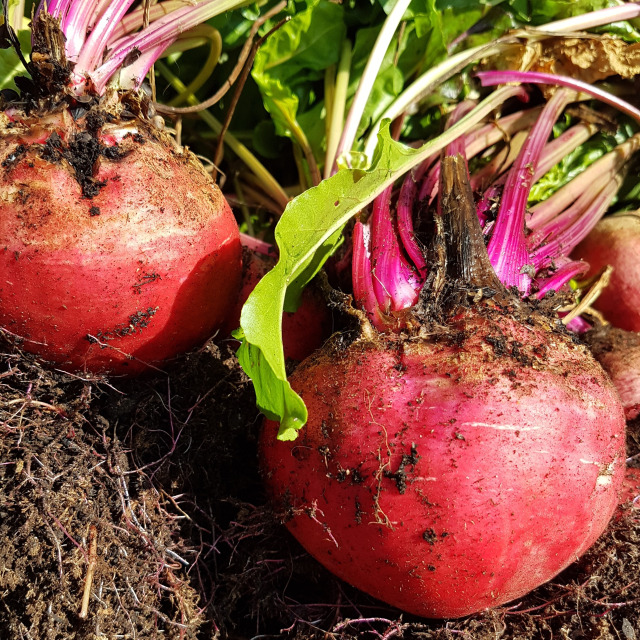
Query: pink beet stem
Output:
(569,216)
(394,281)
(406,199)
(564,242)
(76,24)
(361,276)
(92,53)
(561,277)
(482,138)
(552,153)
(507,247)
(609,164)
(492,78)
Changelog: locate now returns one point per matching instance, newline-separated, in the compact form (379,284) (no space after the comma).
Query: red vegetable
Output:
(443,477)
(303,331)
(615,241)
(119,252)
(140,271)
(463,456)
(618,352)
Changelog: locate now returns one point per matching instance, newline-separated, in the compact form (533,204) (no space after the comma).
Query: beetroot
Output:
(130,276)
(119,251)
(618,352)
(432,476)
(615,241)
(304,330)
(462,456)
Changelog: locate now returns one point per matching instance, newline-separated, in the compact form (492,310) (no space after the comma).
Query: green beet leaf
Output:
(293,58)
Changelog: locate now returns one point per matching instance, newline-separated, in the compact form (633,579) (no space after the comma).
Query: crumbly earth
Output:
(153,485)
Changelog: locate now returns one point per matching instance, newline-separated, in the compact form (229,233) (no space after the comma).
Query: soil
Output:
(145,494)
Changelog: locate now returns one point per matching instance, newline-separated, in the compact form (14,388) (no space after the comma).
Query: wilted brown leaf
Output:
(591,59)
(587,58)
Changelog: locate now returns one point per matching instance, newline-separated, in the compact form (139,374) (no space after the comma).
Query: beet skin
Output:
(454,472)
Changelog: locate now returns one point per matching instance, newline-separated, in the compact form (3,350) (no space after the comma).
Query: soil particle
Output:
(95,119)
(498,344)
(14,157)
(82,154)
(137,322)
(146,279)
(400,476)
(430,536)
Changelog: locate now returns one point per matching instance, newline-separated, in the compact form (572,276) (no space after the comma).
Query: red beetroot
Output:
(461,463)
(449,474)
(130,263)
(615,241)
(303,331)
(618,352)
(118,250)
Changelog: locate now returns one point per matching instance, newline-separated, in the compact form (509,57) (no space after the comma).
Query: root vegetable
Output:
(129,277)
(304,330)
(618,352)
(615,241)
(462,456)
(453,473)
(464,447)
(118,251)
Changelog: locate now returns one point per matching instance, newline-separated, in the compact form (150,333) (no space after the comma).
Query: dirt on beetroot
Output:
(135,509)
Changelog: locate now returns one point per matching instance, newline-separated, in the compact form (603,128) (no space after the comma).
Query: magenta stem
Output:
(428,188)
(494,170)
(499,130)
(569,216)
(561,146)
(406,199)
(458,146)
(56,8)
(151,42)
(394,282)
(552,153)
(561,277)
(609,164)
(134,19)
(492,78)
(424,166)
(100,8)
(133,76)
(76,24)
(93,50)
(257,245)
(482,138)
(563,243)
(489,198)
(507,247)
(362,279)
(577,325)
